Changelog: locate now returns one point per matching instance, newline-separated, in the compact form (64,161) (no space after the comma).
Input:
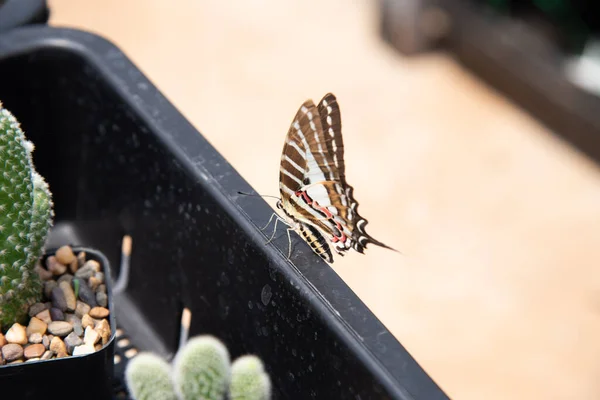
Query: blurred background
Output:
(472,137)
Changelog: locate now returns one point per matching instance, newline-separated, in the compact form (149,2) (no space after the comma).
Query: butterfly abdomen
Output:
(316,241)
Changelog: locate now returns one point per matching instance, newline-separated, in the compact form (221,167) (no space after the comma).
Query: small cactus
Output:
(201,369)
(26,214)
(147,377)
(249,381)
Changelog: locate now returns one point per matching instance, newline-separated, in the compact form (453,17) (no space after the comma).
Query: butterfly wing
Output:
(331,122)
(303,162)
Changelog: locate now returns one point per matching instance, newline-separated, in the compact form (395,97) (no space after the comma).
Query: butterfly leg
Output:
(274,230)
(269,223)
(278,219)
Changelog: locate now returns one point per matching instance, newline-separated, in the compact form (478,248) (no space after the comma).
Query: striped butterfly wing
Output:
(312,182)
(302,168)
(331,122)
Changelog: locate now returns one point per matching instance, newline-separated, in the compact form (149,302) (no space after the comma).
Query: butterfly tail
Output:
(360,236)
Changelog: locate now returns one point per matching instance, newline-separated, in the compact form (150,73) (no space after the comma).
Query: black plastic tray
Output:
(120,159)
(72,377)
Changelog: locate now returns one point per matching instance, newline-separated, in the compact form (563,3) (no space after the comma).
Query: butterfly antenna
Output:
(258,195)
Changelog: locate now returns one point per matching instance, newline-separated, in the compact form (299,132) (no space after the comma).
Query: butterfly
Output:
(316,199)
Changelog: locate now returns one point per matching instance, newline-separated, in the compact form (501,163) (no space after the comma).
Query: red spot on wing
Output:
(304,196)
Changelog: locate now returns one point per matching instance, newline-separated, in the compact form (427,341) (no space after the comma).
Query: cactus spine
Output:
(25,217)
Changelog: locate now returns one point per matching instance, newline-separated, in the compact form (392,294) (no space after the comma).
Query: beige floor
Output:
(497,294)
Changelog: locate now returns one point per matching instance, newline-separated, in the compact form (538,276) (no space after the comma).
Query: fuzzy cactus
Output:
(249,381)
(201,369)
(148,378)
(26,215)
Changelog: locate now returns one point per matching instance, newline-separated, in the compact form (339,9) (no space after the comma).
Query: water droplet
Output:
(266,294)
(272,275)
(224,279)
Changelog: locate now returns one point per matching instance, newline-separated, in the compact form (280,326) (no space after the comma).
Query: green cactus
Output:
(201,369)
(249,381)
(147,377)
(26,214)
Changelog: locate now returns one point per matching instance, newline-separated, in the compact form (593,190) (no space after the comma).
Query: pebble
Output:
(47,355)
(46,341)
(69,295)
(78,328)
(12,351)
(58,346)
(65,255)
(86,294)
(16,334)
(58,299)
(36,338)
(93,282)
(74,266)
(99,312)
(48,286)
(71,341)
(34,350)
(86,272)
(103,328)
(56,314)
(102,299)
(32,359)
(76,322)
(60,328)
(54,266)
(43,273)
(36,325)
(83,349)
(91,336)
(1,358)
(44,316)
(65,277)
(101,288)
(82,309)
(36,309)
(100,276)
(95,265)
(81,258)
(86,321)
(3,340)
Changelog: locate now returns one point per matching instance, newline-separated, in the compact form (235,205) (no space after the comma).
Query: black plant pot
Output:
(121,160)
(71,377)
